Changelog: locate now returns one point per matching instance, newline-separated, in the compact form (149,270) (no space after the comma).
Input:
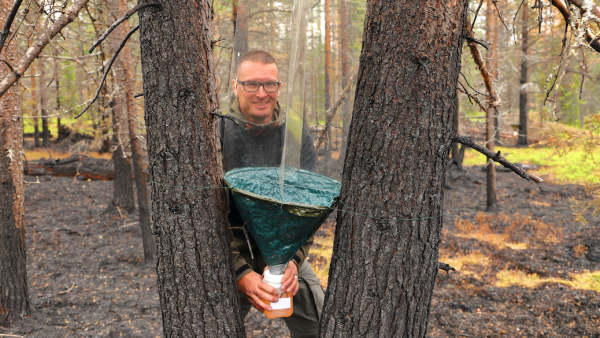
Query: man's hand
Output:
(252,286)
(289,282)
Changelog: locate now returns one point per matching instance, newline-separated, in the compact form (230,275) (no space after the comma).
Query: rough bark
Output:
(124,72)
(197,289)
(455,153)
(522,140)
(123,182)
(14,298)
(384,266)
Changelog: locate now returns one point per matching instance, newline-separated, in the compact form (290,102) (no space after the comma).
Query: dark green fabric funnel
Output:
(280,229)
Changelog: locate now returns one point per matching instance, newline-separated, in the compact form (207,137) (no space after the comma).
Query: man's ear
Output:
(234,83)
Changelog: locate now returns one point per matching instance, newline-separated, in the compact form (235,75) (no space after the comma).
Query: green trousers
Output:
(308,303)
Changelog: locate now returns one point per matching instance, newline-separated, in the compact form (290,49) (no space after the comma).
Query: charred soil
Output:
(524,270)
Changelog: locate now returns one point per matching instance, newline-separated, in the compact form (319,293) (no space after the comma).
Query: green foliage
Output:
(575,166)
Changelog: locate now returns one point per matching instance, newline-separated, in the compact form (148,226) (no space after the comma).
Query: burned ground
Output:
(526,270)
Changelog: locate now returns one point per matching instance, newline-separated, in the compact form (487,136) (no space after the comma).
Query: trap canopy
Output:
(281,186)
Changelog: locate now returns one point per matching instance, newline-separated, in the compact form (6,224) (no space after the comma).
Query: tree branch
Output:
(33,51)
(110,63)
(123,18)
(330,114)
(9,20)
(496,157)
(564,10)
(445,267)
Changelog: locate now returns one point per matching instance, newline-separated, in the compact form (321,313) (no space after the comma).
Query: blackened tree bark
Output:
(384,267)
(198,293)
(124,72)
(14,299)
(522,140)
(122,183)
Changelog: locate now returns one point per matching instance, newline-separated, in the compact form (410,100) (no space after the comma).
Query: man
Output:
(258,141)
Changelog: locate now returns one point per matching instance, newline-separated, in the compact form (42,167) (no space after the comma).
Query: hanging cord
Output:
(243,228)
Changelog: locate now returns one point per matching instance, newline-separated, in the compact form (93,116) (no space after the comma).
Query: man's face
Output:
(256,107)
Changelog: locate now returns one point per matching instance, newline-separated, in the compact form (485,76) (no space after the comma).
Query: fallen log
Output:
(81,166)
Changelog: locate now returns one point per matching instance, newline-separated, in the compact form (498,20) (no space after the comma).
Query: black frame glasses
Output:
(259,84)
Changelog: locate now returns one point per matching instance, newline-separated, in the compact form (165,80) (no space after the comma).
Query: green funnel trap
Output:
(280,229)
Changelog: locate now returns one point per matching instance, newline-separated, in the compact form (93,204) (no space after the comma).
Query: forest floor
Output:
(527,270)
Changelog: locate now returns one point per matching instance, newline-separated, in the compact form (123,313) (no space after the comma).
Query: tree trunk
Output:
(198,293)
(491,35)
(34,108)
(124,70)
(14,298)
(57,82)
(328,79)
(44,104)
(522,140)
(345,51)
(123,183)
(455,150)
(384,266)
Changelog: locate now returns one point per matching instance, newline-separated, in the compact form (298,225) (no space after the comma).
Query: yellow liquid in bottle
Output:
(283,308)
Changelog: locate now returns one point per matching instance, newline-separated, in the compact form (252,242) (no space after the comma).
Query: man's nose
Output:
(261,91)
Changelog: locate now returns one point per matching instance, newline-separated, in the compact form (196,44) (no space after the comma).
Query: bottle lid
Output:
(272,279)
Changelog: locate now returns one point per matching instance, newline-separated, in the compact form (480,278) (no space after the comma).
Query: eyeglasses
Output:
(253,86)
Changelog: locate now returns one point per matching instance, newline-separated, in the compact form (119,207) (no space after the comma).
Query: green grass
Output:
(574,167)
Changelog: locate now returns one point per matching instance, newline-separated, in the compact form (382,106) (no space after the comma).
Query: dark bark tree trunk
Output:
(124,71)
(14,298)
(57,82)
(123,182)
(522,140)
(198,293)
(384,266)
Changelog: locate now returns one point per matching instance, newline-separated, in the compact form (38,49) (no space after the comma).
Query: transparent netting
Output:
(284,171)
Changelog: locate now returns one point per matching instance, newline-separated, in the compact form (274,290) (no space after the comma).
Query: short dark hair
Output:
(256,56)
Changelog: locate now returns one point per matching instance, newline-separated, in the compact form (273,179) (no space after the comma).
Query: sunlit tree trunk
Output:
(384,266)
(34,107)
(328,78)
(345,59)
(197,289)
(14,298)
(491,35)
(491,115)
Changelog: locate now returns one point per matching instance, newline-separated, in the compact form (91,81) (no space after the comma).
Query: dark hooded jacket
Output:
(257,145)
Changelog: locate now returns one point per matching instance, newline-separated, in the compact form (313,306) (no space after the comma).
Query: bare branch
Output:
(329,115)
(33,51)
(593,41)
(445,267)
(472,39)
(8,64)
(496,157)
(110,63)
(123,18)
(9,20)
(475,17)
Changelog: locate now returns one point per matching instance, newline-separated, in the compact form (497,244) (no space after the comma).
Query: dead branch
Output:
(472,39)
(445,267)
(496,157)
(123,18)
(330,114)
(8,64)
(69,15)
(226,117)
(475,17)
(489,85)
(138,95)
(110,63)
(9,20)
(593,41)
